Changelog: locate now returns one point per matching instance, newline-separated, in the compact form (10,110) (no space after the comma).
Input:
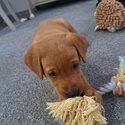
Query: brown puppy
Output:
(55,53)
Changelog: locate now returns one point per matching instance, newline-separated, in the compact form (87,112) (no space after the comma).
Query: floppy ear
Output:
(32,60)
(80,43)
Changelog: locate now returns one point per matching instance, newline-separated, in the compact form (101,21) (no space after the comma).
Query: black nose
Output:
(73,93)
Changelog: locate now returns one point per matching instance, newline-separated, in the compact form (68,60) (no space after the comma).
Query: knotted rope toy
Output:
(110,15)
(117,84)
(78,111)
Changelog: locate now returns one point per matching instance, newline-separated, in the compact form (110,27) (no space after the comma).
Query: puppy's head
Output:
(57,57)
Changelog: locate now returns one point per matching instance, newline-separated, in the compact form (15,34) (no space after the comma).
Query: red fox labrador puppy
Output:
(55,53)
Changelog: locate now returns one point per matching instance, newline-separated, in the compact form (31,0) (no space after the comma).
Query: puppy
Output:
(122,1)
(55,53)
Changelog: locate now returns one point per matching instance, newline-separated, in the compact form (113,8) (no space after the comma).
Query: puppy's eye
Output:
(52,74)
(74,66)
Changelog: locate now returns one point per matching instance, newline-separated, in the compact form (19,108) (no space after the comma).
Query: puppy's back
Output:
(59,25)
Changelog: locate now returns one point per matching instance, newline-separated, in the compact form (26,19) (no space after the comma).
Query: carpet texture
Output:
(23,97)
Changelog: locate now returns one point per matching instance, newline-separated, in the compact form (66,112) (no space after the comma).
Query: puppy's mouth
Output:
(74,94)
(82,94)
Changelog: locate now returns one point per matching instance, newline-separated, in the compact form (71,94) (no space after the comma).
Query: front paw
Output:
(98,98)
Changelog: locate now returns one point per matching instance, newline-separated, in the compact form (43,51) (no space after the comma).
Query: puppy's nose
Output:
(73,93)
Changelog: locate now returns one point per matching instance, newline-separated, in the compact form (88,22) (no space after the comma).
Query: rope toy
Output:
(117,84)
(110,15)
(78,111)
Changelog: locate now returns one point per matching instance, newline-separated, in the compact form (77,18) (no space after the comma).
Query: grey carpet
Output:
(23,98)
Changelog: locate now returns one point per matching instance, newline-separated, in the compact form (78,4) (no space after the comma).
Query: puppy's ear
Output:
(33,61)
(80,43)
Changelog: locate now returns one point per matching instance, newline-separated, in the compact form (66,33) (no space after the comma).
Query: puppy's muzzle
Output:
(74,93)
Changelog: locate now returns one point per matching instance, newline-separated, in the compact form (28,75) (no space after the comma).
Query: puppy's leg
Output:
(90,91)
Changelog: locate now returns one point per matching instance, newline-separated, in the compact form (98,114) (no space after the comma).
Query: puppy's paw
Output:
(98,98)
